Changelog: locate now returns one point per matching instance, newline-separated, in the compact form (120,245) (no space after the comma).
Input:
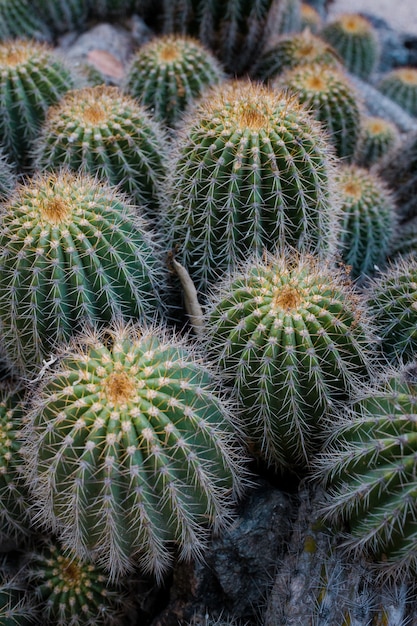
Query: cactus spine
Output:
(32,79)
(293,339)
(400,84)
(16,606)
(102,132)
(71,250)
(168,73)
(356,41)
(251,171)
(131,450)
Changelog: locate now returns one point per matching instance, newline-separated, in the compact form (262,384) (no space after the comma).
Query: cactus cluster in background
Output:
(400,84)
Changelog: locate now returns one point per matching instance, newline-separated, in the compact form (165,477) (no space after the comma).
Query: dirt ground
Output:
(400,14)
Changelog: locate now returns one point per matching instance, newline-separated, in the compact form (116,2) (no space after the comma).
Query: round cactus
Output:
(368,219)
(378,136)
(400,84)
(168,73)
(369,471)
(32,78)
(71,250)
(251,171)
(14,499)
(392,299)
(104,133)
(17,19)
(356,41)
(72,592)
(310,18)
(293,338)
(62,15)
(331,98)
(131,449)
(291,51)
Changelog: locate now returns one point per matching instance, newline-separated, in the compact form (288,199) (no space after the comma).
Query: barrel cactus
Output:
(101,131)
(378,137)
(368,220)
(293,338)
(369,472)
(131,450)
(72,250)
(251,171)
(168,73)
(400,84)
(290,51)
(72,592)
(356,41)
(17,19)
(331,98)
(32,78)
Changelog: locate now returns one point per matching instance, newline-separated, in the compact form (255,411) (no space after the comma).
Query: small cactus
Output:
(293,339)
(32,78)
(290,51)
(251,171)
(400,84)
(378,136)
(71,250)
(168,73)
(369,472)
(103,132)
(331,99)
(356,41)
(392,297)
(131,450)
(17,19)
(71,592)
(368,220)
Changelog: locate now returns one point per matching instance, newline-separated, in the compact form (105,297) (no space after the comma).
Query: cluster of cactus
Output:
(356,41)
(168,73)
(400,84)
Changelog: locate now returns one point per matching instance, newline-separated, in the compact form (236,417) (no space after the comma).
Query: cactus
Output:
(392,299)
(16,606)
(251,171)
(369,472)
(115,8)
(331,98)
(289,18)
(404,241)
(131,450)
(293,338)
(290,51)
(8,178)
(400,84)
(368,219)
(17,19)
(71,250)
(63,15)
(356,41)
(32,78)
(72,592)
(14,499)
(378,136)
(102,132)
(310,18)
(235,30)
(168,73)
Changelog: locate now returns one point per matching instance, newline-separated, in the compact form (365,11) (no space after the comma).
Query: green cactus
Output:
(72,592)
(8,178)
(289,17)
(310,18)
(131,449)
(368,219)
(369,472)
(392,299)
(32,78)
(17,19)
(356,41)
(251,171)
(290,51)
(400,84)
(331,98)
(15,521)
(62,15)
(103,132)
(378,136)
(17,608)
(71,250)
(293,338)
(168,73)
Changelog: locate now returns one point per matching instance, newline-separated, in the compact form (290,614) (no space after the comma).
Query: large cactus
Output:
(131,449)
